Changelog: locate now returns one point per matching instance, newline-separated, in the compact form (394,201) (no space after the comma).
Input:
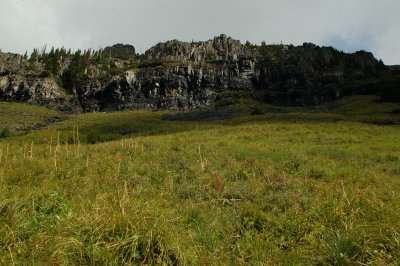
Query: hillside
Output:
(284,186)
(180,75)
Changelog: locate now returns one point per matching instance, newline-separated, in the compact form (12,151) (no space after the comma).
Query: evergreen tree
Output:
(34,55)
(52,62)
(76,73)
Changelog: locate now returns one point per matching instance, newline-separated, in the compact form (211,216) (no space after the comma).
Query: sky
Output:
(348,25)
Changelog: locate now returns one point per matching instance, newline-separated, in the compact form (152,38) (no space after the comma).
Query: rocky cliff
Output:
(188,75)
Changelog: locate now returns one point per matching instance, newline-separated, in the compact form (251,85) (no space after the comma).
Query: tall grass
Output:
(273,191)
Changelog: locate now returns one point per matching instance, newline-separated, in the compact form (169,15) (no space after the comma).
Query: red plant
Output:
(217,181)
(118,156)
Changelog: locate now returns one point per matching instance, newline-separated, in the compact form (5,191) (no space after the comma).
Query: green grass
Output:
(17,117)
(297,188)
(366,109)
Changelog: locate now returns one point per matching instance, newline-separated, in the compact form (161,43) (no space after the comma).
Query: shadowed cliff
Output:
(190,75)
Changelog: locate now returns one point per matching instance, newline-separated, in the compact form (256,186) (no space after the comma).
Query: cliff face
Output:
(39,91)
(220,48)
(170,87)
(120,51)
(21,85)
(182,75)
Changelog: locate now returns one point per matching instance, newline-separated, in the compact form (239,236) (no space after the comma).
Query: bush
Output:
(211,55)
(97,137)
(151,64)
(5,133)
(256,111)
(226,102)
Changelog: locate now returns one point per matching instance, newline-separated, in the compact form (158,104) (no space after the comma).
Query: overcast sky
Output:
(348,25)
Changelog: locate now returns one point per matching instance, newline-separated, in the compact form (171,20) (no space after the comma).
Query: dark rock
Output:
(39,91)
(119,50)
(189,75)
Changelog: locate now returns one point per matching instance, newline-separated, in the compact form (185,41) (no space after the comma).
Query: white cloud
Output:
(346,24)
(27,23)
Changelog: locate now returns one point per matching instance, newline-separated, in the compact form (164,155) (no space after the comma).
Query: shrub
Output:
(96,137)
(211,55)
(151,64)
(5,133)
(226,102)
(257,111)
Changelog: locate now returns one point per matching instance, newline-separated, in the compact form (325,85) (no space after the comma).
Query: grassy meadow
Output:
(301,187)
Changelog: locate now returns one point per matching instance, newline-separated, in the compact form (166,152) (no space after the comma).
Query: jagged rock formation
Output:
(220,48)
(120,51)
(182,75)
(39,91)
(21,85)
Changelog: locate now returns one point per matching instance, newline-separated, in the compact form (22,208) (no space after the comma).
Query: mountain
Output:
(189,75)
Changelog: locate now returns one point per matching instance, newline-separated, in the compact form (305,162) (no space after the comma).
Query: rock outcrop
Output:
(188,75)
(220,48)
(120,51)
(39,91)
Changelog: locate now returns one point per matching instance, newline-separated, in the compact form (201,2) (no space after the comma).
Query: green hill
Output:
(297,186)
